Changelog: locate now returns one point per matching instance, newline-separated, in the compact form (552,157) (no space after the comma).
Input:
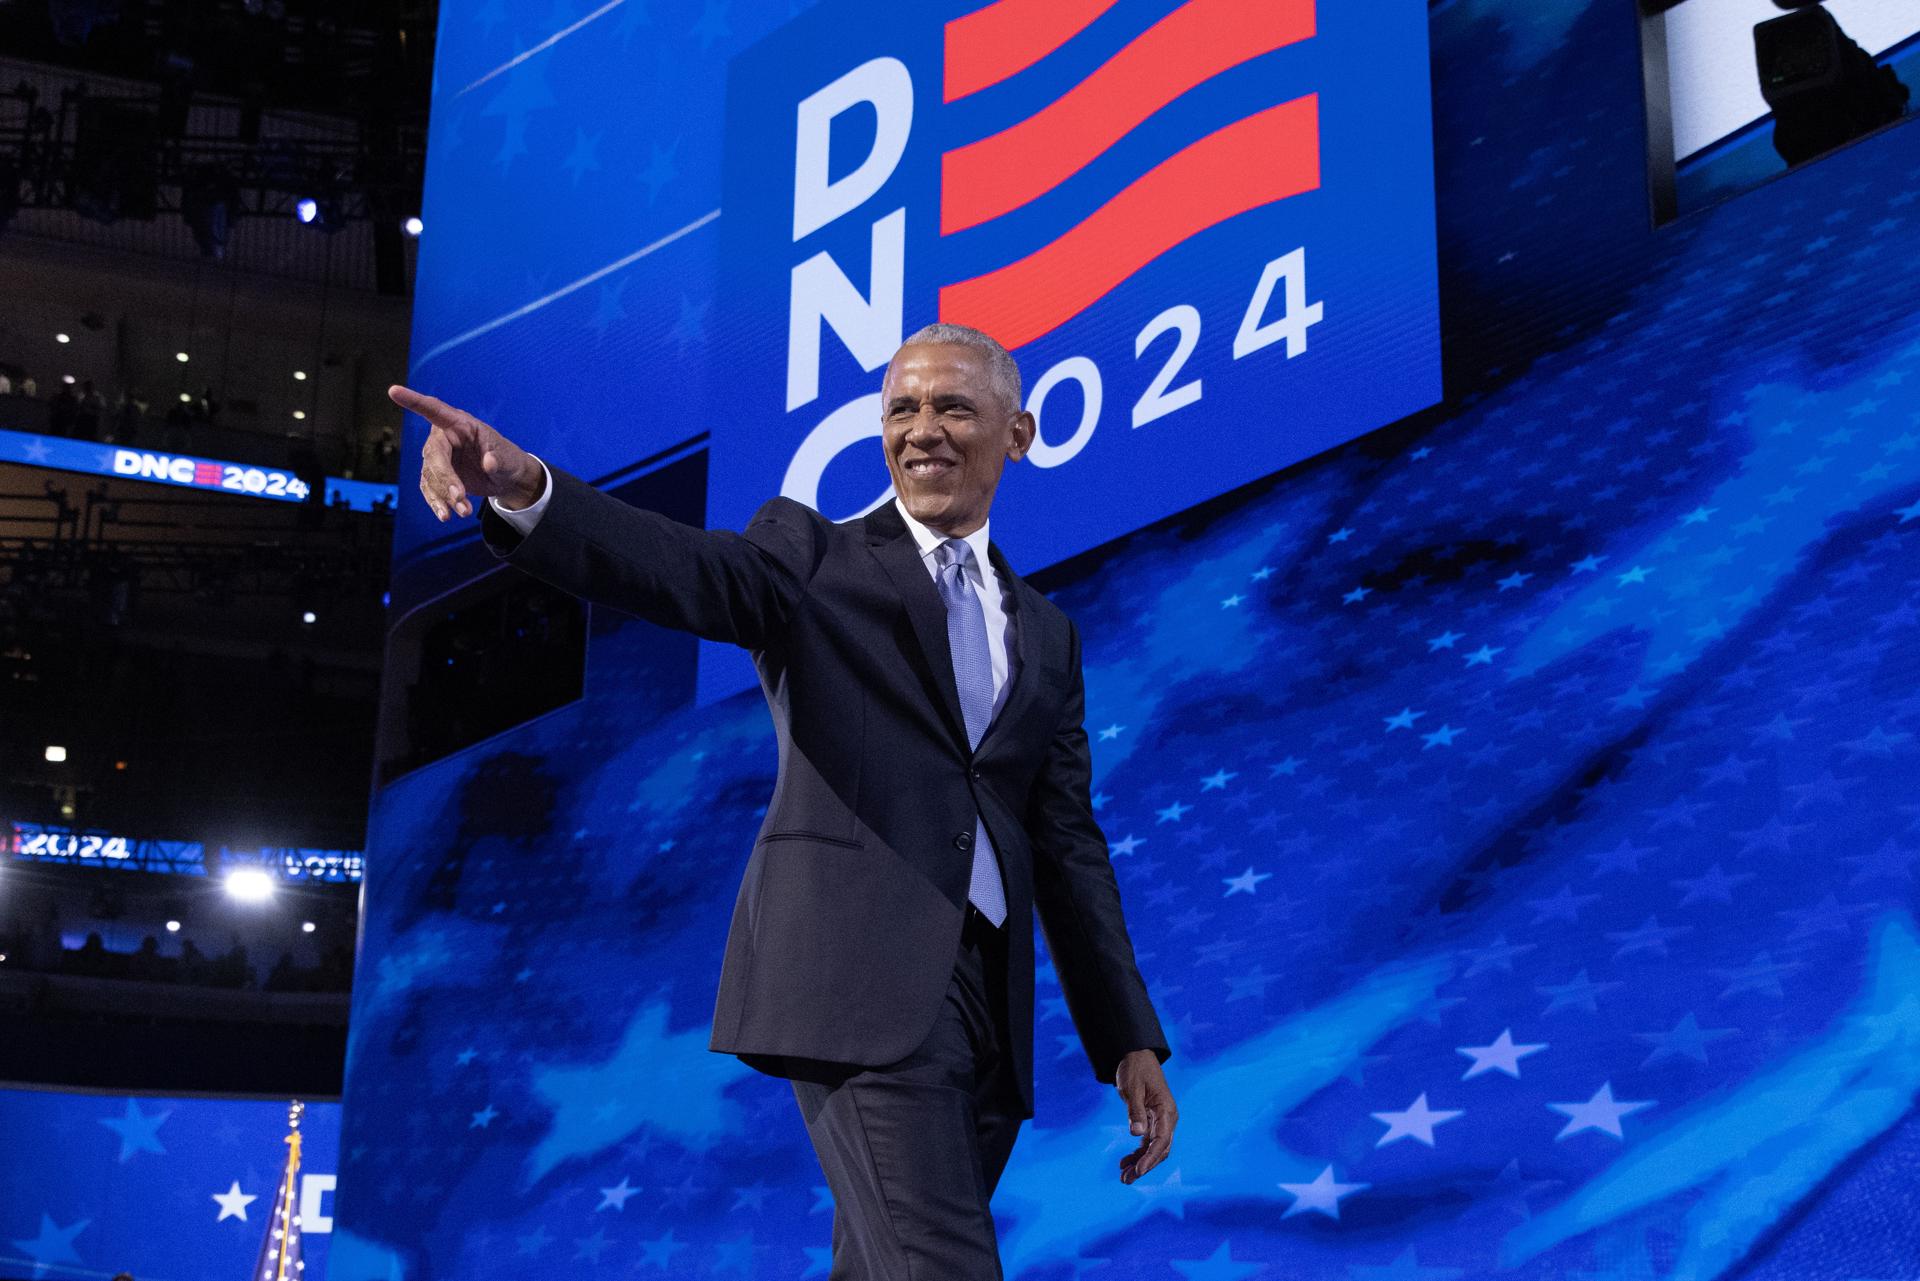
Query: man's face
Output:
(947,433)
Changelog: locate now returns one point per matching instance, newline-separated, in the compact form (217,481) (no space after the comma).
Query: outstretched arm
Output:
(720,585)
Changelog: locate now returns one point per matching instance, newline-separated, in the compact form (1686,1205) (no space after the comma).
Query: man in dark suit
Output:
(933,793)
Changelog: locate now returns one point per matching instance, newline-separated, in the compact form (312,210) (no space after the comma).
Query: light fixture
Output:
(306,927)
(66,809)
(306,209)
(67,379)
(249,885)
(184,397)
(413,226)
(300,413)
(56,753)
(180,356)
(309,618)
(299,375)
(173,927)
(62,338)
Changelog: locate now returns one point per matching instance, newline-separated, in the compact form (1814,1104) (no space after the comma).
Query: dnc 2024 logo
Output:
(1204,228)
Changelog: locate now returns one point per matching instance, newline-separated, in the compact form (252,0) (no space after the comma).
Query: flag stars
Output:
(1217,781)
(1357,595)
(483,1118)
(1587,564)
(1243,883)
(1699,516)
(1442,737)
(1322,1196)
(1416,1122)
(1403,719)
(615,1197)
(1340,535)
(1122,848)
(1601,1112)
(1502,1056)
(1484,656)
(1513,580)
(1172,813)
(1638,574)
(1445,640)
(1112,732)
(1232,602)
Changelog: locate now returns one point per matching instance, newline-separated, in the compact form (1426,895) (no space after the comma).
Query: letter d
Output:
(817,199)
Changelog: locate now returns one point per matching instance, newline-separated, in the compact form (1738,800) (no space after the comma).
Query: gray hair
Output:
(1000,365)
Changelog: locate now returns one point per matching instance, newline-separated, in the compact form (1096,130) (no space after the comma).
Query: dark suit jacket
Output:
(849,915)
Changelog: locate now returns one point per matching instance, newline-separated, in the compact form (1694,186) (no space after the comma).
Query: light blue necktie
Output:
(973,674)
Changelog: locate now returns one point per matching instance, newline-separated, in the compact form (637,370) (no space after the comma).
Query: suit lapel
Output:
(892,544)
(1022,621)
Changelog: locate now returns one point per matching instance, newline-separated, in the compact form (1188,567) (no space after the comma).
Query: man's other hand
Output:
(464,459)
(1150,1111)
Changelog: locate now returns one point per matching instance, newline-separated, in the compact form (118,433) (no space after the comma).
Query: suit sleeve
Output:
(1079,901)
(739,588)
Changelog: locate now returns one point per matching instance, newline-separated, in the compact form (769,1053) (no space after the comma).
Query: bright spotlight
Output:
(413,226)
(299,415)
(173,927)
(299,375)
(56,753)
(250,885)
(309,618)
(306,927)
(67,379)
(62,338)
(180,356)
(307,209)
(184,398)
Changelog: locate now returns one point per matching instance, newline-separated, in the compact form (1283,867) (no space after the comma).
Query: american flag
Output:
(280,1256)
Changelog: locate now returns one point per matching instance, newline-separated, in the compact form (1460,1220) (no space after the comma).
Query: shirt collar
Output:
(928,539)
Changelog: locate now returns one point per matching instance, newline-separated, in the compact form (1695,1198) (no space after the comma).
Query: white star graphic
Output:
(1416,1122)
(1601,1112)
(1322,1195)
(1502,1056)
(233,1203)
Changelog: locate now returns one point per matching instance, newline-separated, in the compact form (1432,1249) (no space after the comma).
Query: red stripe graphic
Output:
(1257,161)
(1194,43)
(1004,39)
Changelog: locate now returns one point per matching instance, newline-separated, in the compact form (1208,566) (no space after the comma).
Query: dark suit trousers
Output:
(913,1150)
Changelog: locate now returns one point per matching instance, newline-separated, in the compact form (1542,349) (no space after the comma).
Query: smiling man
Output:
(933,795)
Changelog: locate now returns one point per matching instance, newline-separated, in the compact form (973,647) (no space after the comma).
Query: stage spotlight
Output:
(413,226)
(323,212)
(309,618)
(300,415)
(56,753)
(67,379)
(250,885)
(173,927)
(180,356)
(306,927)
(1824,89)
(299,375)
(185,397)
(63,338)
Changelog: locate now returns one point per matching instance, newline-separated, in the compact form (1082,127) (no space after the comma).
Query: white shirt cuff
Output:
(527,517)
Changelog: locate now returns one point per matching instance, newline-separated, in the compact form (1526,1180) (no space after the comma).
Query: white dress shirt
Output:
(986,584)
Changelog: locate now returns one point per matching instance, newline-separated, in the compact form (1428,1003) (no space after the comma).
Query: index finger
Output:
(431,408)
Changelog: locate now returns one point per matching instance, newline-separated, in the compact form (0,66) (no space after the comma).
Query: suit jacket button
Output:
(976,775)
(963,842)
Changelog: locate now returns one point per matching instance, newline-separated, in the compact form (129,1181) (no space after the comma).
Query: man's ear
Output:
(1020,437)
